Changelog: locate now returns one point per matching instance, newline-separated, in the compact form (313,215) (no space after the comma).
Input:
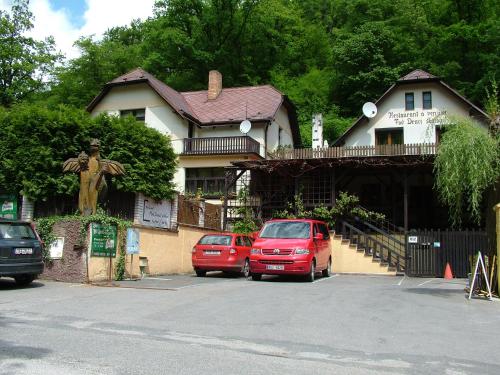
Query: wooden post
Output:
(405,201)
(226,197)
(497,215)
(332,187)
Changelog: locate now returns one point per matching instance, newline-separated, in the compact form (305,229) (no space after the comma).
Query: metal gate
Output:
(428,251)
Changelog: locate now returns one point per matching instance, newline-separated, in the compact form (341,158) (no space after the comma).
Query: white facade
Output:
(418,125)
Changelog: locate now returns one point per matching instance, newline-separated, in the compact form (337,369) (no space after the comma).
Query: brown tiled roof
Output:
(235,104)
(417,75)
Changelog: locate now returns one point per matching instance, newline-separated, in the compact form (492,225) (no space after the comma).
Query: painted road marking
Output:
(156,278)
(401,281)
(324,278)
(425,282)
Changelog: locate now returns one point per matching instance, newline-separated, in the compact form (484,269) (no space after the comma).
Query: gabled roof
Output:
(232,105)
(172,97)
(416,76)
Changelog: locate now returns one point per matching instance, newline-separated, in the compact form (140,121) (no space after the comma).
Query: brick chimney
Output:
(214,84)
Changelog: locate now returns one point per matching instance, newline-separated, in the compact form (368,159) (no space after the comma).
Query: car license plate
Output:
(212,252)
(23,251)
(277,267)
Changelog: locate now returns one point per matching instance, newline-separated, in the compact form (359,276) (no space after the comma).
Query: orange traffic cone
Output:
(447,272)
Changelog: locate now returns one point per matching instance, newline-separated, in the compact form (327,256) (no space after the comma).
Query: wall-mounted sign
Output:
(427,117)
(56,248)
(437,244)
(102,240)
(132,241)
(412,239)
(156,213)
(8,206)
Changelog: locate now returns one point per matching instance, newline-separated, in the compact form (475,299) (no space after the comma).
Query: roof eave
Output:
(110,85)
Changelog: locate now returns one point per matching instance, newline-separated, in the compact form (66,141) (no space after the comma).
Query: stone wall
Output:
(72,267)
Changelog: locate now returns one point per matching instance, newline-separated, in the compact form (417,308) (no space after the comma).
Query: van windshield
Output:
(286,229)
(215,240)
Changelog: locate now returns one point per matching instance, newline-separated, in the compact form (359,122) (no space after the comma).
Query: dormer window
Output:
(409,101)
(139,114)
(426,100)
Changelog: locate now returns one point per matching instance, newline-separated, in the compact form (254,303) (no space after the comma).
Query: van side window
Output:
(248,242)
(323,229)
(239,241)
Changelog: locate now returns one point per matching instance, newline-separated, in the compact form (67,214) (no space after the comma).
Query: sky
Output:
(67,20)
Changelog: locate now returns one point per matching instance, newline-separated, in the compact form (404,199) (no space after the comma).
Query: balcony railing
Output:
(221,145)
(417,149)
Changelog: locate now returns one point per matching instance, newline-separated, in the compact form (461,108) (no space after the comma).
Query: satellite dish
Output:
(369,109)
(245,126)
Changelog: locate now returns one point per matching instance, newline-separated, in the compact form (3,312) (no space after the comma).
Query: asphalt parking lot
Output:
(345,324)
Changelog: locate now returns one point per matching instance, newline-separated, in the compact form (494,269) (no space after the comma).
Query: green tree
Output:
(35,141)
(328,56)
(467,164)
(25,63)
(80,79)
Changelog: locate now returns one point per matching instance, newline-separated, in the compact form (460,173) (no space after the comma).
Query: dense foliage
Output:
(35,141)
(328,56)
(25,63)
(346,207)
(468,163)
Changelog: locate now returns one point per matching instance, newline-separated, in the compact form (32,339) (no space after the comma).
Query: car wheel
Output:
(246,268)
(311,274)
(200,273)
(24,280)
(256,276)
(328,270)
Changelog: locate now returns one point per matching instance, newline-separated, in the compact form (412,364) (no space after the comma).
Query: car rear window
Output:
(16,231)
(215,240)
(286,229)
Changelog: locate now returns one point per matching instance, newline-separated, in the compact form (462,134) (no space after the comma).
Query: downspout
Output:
(265,139)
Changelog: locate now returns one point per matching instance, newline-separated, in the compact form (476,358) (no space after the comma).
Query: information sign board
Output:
(132,241)
(102,240)
(8,206)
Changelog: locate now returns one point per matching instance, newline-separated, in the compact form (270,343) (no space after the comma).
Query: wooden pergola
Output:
(320,174)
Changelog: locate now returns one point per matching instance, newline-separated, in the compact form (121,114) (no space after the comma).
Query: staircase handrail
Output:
(389,250)
(381,231)
(390,226)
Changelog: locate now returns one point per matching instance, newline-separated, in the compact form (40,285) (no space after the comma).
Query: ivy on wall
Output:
(45,226)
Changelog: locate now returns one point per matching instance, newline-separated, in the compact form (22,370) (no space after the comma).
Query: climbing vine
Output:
(45,225)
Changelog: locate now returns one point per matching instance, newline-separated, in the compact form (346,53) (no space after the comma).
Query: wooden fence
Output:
(356,151)
(428,251)
(199,213)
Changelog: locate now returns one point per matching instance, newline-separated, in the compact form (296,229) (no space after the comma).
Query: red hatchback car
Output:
(228,252)
(291,247)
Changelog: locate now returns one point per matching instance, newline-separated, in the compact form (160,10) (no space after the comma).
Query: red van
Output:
(228,252)
(291,247)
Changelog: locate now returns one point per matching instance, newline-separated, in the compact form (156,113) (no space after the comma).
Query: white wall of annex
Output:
(281,120)
(417,129)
